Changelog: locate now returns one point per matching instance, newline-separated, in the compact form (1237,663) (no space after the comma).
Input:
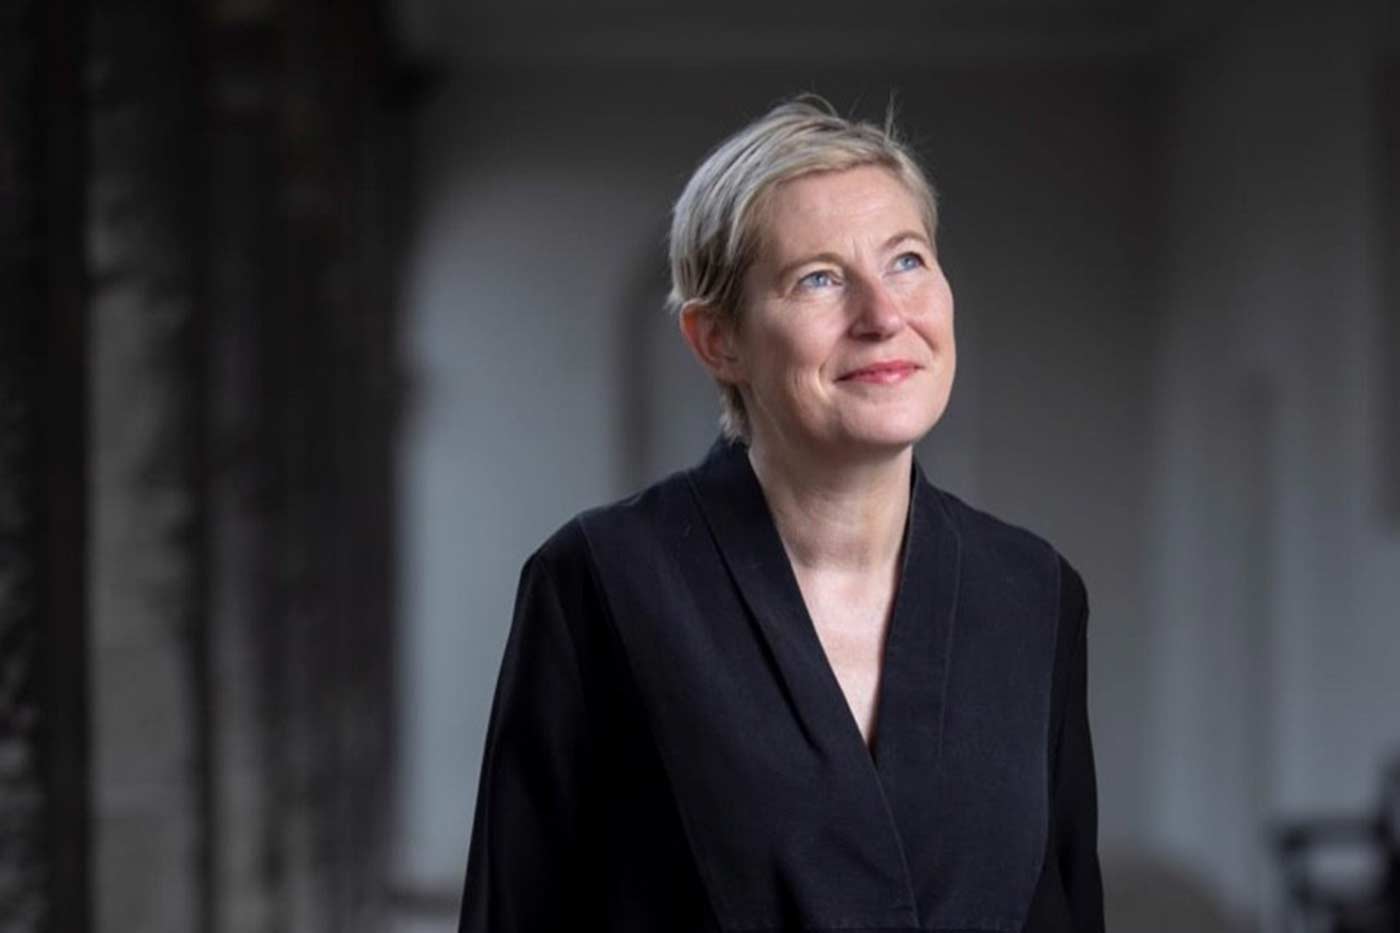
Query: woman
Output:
(796,687)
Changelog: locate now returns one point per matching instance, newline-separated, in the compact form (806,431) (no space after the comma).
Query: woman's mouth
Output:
(882,373)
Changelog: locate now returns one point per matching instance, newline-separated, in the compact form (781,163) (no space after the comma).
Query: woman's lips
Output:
(881,373)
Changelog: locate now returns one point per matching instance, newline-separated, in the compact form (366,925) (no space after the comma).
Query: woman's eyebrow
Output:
(906,235)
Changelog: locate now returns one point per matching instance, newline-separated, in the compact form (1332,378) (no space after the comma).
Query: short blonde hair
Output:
(716,222)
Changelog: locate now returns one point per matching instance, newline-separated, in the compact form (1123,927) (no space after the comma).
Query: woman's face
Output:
(845,341)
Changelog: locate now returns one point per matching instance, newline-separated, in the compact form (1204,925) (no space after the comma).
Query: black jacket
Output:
(669,750)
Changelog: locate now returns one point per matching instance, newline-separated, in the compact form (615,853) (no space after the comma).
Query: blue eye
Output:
(822,278)
(907,261)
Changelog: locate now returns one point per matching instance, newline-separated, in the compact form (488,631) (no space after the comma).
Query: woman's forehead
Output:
(820,208)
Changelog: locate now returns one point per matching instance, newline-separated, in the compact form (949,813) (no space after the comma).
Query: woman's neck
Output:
(846,517)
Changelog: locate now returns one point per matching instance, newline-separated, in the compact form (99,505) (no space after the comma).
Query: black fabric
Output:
(669,748)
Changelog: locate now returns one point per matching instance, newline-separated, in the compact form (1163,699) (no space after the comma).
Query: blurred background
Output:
(315,319)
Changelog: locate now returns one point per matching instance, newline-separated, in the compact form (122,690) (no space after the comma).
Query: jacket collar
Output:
(922,615)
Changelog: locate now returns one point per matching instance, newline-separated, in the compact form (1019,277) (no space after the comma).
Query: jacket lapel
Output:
(743,529)
(741,524)
(968,673)
(909,719)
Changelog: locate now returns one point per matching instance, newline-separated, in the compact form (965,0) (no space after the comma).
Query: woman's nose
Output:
(878,314)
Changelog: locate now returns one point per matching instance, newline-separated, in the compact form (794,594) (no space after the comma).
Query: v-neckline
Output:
(902,763)
(794,587)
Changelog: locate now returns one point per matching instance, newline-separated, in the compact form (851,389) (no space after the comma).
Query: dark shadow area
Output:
(1387,167)
(45,736)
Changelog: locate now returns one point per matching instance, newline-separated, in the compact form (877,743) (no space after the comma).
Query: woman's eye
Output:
(908,261)
(819,279)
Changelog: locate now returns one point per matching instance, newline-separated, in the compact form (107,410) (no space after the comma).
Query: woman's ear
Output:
(710,334)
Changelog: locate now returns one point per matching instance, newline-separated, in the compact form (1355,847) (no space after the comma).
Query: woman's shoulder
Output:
(637,521)
(1015,552)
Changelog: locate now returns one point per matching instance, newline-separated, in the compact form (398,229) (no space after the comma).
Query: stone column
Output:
(148,574)
(303,379)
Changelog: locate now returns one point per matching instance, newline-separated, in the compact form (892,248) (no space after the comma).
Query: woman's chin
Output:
(867,442)
(857,433)
(892,430)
